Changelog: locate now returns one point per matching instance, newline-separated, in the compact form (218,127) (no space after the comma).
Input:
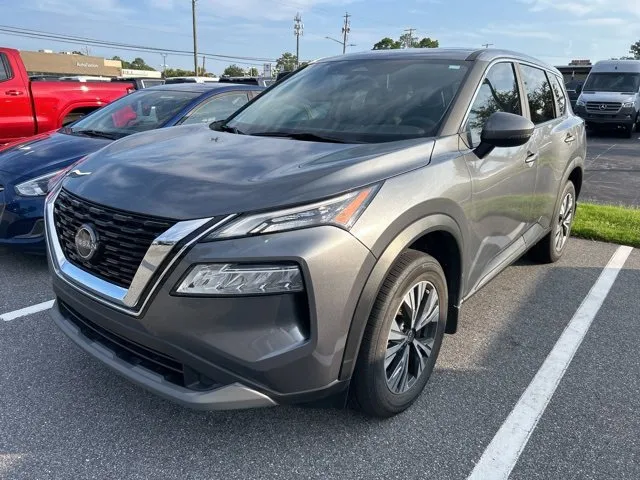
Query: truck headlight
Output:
(580,103)
(628,104)
(216,279)
(38,186)
(342,211)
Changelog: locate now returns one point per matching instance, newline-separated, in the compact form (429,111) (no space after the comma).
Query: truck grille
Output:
(604,107)
(123,237)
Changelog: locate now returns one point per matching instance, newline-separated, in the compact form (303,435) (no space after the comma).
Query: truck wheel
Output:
(402,337)
(553,245)
(629,129)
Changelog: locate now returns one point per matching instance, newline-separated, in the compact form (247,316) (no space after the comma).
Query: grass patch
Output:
(608,223)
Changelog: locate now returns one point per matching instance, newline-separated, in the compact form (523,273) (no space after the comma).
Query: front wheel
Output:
(553,245)
(403,336)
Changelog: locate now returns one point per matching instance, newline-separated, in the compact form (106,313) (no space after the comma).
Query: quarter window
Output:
(558,92)
(4,71)
(219,108)
(538,94)
(498,93)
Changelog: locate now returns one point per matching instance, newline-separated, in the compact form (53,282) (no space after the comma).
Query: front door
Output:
(16,117)
(503,182)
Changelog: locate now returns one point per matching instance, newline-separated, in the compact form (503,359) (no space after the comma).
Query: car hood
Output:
(192,172)
(38,155)
(607,97)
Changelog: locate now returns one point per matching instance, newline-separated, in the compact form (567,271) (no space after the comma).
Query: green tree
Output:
(387,44)
(405,40)
(635,50)
(139,64)
(233,71)
(287,62)
(253,72)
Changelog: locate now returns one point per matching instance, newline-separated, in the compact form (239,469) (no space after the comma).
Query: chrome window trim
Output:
(129,300)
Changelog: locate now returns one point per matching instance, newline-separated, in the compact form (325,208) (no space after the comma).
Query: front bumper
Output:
(21,221)
(233,352)
(625,116)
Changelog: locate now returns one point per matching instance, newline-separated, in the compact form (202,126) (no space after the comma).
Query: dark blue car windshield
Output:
(134,113)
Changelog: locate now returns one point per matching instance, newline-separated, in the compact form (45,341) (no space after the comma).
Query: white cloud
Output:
(585,7)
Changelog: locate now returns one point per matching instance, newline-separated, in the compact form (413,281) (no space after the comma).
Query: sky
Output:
(555,31)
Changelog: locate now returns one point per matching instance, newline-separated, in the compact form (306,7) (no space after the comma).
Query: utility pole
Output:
(195,42)
(409,43)
(346,30)
(298,31)
(487,45)
(203,70)
(164,64)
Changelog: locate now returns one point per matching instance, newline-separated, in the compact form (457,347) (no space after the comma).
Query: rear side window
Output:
(558,92)
(538,94)
(5,73)
(498,93)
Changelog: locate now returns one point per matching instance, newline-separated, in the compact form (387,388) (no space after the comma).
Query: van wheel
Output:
(553,245)
(629,129)
(402,338)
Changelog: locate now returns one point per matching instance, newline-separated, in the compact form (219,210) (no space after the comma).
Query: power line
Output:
(28,33)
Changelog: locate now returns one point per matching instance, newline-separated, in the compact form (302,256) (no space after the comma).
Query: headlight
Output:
(580,103)
(342,211)
(237,279)
(628,104)
(36,187)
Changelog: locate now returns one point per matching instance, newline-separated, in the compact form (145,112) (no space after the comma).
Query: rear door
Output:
(554,139)
(503,182)
(16,117)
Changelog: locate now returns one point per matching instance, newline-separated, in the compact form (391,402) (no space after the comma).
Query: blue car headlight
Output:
(38,186)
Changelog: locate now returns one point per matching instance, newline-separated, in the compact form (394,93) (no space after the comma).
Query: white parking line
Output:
(23,312)
(503,452)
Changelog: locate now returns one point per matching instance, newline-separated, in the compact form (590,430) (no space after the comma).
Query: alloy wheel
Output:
(411,337)
(565,218)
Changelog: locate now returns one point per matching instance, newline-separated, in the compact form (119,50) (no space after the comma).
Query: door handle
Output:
(569,138)
(14,93)
(531,157)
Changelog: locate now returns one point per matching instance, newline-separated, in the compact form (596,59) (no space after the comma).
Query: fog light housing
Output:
(217,279)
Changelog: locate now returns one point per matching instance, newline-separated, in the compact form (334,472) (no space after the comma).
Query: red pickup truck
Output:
(28,108)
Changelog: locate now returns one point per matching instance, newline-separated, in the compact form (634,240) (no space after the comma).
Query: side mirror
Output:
(504,130)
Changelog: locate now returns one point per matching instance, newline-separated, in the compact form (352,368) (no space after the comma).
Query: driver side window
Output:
(498,93)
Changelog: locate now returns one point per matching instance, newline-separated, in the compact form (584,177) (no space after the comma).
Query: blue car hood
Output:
(48,152)
(192,172)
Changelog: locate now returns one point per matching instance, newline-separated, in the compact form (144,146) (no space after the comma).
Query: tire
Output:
(377,387)
(549,249)
(629,129)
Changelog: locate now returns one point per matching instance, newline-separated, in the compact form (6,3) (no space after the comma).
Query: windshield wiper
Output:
(96,134)
(221,126)
(311,137)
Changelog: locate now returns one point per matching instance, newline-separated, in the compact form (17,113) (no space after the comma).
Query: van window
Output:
(541,103)
(613,82)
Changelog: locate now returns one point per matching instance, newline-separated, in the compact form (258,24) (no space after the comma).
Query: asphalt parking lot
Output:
(612,169)
(63,415)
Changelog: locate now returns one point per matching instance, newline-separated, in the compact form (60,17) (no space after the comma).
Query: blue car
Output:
(27,167)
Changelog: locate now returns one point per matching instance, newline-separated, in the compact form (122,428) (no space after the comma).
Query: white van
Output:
(611,95)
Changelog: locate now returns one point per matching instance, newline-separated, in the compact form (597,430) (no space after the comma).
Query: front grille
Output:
(136,354)
(603,107)
(123,237)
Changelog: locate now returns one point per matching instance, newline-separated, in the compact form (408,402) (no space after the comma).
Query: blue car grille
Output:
(123,237)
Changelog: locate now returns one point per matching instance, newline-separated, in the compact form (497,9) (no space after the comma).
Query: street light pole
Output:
(298,30)
(195,42)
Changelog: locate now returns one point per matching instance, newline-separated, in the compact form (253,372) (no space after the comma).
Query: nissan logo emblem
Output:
(86,241)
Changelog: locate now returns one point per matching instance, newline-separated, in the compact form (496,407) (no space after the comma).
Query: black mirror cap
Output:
(507,130)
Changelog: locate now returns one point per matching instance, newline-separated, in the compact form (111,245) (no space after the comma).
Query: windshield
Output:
(613,82)
(138,112)
(363,101)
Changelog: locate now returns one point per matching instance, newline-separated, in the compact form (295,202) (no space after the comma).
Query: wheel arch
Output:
(437,235)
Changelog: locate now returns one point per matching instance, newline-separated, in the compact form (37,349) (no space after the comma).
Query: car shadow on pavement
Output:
(65,414)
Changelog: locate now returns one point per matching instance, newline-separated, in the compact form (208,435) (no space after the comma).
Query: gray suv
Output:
(315,247)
